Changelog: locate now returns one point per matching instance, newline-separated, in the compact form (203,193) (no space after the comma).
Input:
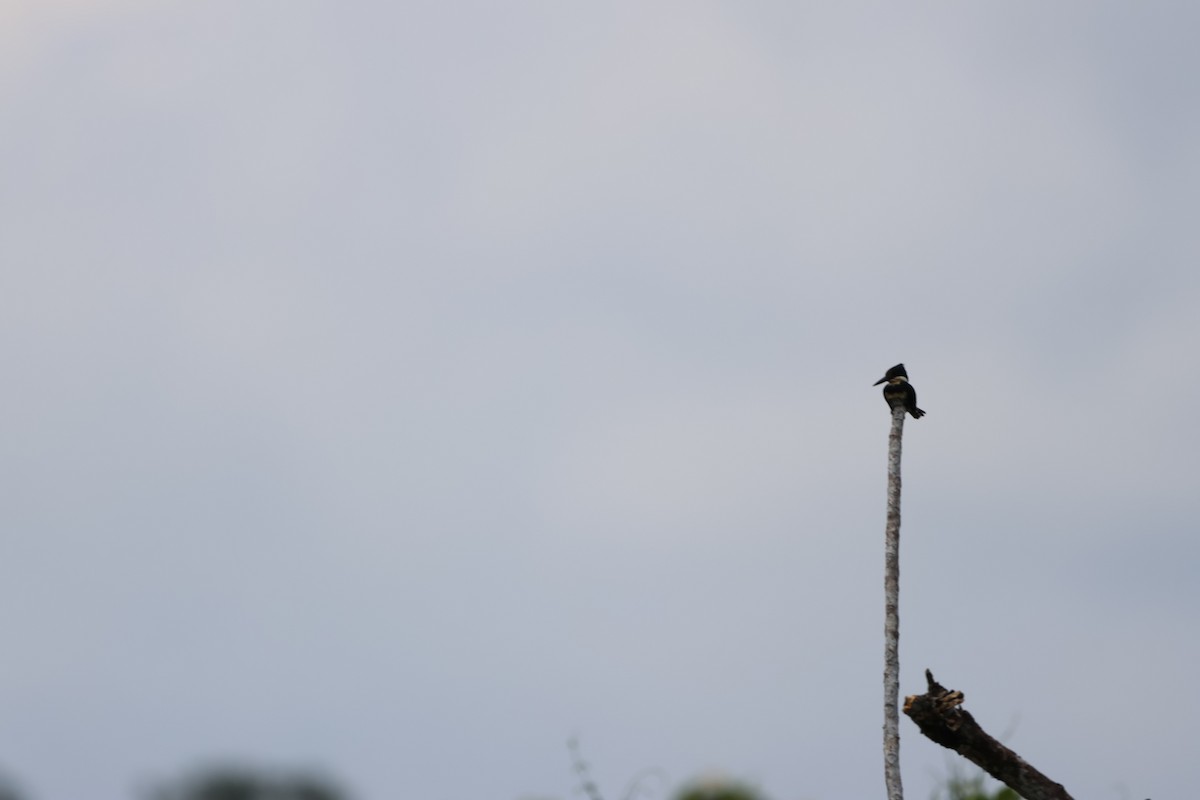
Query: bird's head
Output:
(896,374)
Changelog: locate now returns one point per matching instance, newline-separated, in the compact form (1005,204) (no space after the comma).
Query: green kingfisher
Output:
(899,389)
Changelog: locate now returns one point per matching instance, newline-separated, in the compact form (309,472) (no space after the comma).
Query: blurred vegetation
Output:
(718,789)
(250,783)
(712,788)
(240,783)
(227,783)
(959,786)
(8,789)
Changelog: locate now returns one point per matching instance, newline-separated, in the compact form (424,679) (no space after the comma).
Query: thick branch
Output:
(940,717)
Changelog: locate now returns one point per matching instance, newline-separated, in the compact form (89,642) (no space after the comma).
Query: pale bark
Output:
(891,623)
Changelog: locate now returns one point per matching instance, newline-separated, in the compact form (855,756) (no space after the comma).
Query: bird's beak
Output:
(881,380)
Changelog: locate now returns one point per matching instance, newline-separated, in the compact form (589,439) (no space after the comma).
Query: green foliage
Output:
(974,787)
(718,789)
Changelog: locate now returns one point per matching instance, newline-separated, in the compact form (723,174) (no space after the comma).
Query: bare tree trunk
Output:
(891,623)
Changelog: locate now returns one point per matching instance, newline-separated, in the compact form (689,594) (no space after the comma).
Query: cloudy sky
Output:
(400,389)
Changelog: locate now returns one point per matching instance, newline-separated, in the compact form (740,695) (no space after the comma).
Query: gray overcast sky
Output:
(403,388)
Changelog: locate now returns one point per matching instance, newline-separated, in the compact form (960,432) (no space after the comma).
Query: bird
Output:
(898,389)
